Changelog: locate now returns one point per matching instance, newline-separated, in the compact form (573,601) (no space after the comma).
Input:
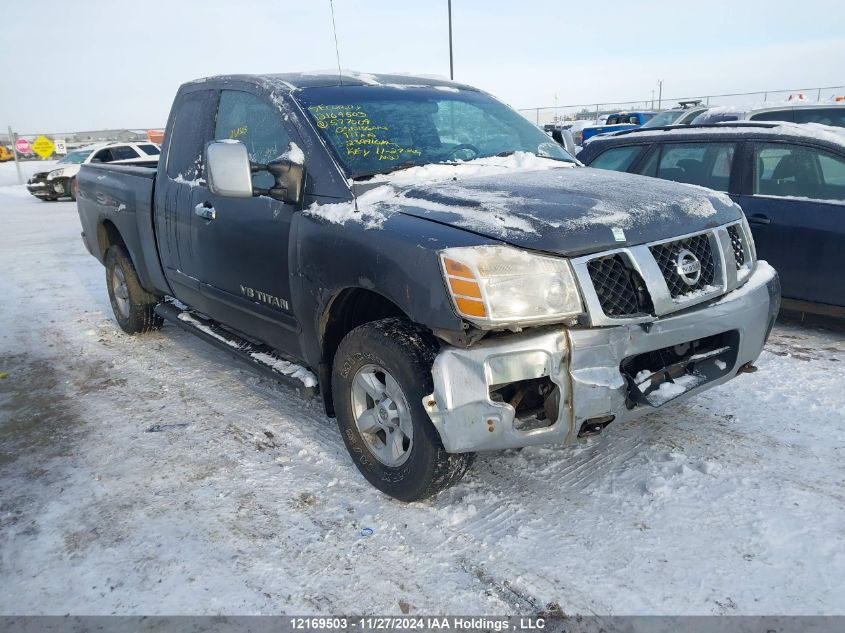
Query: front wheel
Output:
(133,307)
(381,373)
(71,188)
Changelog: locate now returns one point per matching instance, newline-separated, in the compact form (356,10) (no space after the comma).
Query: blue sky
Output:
(94,64)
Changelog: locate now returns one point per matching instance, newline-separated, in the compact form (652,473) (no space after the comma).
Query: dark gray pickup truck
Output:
(448,278)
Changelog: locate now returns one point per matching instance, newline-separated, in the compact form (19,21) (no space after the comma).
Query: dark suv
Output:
(789,179)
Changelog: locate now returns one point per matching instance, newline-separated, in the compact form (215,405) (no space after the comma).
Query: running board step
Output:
(261,357)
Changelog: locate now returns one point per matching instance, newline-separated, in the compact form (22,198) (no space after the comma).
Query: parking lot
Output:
(154,475)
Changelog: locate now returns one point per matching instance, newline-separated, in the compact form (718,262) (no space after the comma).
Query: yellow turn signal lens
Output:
(469,307)
(457,268)
(465,288)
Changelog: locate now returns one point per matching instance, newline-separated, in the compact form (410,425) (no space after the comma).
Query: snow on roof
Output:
(817,131)
(775,105)
(331,77)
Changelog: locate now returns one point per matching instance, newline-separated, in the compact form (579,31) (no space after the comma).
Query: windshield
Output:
(664,118)
(76,157)
(377,129)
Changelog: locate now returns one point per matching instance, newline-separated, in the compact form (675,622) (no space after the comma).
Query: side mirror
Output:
(228,167)
(290,180)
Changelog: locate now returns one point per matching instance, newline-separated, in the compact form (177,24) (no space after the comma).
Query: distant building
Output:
(97,136)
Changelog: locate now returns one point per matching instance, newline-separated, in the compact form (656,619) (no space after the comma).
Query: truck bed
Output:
(121,197)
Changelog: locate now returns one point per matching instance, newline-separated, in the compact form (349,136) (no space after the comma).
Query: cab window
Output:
(245,117)
(149,149)
(798,171)
(123,152)
(191,129)
(774,115)
(834,115)
(618,158)
(103,156)
(704,164)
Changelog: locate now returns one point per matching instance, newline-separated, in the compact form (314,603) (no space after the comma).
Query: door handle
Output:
(205,210)
(758,219)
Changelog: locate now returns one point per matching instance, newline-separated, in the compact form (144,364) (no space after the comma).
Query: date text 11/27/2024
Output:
(418,623)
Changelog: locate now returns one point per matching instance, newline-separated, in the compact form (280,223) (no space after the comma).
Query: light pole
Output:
(659,94)
(451,63)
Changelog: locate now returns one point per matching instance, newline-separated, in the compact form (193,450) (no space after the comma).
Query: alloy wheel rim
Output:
(121,291)
(382,415)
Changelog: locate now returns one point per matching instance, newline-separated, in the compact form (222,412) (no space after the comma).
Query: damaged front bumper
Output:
(41,186)
(551,385)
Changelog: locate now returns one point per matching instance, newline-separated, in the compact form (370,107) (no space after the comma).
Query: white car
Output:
(60,181)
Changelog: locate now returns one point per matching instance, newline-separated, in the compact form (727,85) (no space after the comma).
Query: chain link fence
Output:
(592,111)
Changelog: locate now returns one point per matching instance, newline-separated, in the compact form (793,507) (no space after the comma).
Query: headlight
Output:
(500,285)
(55,173)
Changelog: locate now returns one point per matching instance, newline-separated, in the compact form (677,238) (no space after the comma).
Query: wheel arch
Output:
(108,235)
(346,310)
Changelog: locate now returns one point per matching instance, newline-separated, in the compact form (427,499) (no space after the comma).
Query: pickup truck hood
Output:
(569,211)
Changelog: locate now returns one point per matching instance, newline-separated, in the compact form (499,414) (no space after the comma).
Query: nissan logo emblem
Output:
(688,267)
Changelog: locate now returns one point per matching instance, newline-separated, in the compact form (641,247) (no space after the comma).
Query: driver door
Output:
(241,244)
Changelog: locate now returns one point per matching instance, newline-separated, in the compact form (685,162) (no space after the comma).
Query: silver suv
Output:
(824,113)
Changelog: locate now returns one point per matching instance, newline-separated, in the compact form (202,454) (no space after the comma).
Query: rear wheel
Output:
(133,307)
(381,373)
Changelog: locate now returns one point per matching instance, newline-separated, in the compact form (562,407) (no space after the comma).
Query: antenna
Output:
(336,50)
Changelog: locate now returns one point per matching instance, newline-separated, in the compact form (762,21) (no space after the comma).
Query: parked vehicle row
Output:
(693,112)
(789,179)
(60,181)
(823,113)
(618,122)
(684,114)
(448,277)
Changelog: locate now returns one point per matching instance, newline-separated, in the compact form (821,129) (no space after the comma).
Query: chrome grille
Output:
(666,256)
(736,244)
(634,284)
(616,285)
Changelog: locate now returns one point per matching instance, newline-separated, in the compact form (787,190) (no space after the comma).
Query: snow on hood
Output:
(376,204)
(538,203)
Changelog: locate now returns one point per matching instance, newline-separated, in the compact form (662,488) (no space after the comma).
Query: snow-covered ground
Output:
(9,176)
(153,475)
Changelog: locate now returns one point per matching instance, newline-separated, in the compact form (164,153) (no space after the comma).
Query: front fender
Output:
(398,260)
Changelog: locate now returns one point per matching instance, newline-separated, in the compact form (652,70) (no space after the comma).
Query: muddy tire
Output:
(381,373)
(133,307)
